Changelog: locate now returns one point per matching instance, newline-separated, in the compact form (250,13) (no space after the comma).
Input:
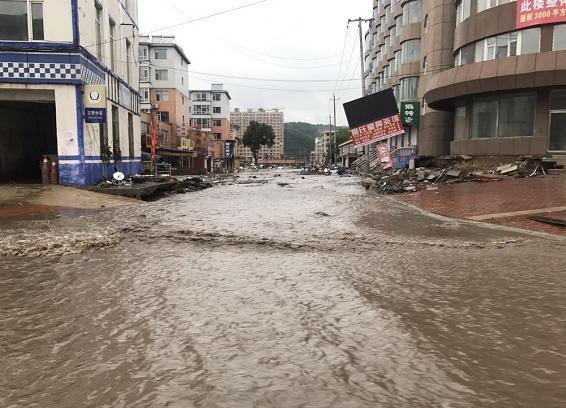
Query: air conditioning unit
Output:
(155,106)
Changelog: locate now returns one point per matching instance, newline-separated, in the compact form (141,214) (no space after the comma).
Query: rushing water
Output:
(315,294)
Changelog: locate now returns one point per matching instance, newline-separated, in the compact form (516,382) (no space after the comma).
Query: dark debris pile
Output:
(451,170)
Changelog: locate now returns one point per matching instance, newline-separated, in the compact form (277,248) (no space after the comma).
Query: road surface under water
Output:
(311,294)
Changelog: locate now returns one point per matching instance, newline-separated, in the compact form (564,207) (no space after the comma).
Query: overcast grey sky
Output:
(271,40)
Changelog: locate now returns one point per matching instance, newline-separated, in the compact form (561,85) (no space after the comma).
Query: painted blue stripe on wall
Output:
(45,81)
(75,19)
(60,46)
(80,123)
(40,58)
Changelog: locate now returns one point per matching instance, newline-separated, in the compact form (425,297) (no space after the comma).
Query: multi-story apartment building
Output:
(210,112)
(322,148)
(164,87)
(57,56)
(488,75)
(274,118)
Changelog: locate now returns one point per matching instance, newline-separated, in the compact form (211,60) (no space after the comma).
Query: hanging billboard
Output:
(536,12)
(373,118)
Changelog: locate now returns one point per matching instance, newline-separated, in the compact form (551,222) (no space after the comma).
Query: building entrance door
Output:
(557,133)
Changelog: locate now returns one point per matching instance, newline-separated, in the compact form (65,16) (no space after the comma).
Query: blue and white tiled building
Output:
(50,50)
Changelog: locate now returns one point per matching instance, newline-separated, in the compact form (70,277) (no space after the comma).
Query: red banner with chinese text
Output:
(379,130)
(536,12)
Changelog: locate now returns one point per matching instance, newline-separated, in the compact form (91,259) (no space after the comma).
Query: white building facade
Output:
(164,85)
(51,52)
(275,118)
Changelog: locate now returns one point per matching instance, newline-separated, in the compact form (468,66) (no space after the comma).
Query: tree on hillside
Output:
(258,135)
(342,135)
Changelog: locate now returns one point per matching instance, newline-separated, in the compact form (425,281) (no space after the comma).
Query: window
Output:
(397,61)
(559,42)
(487,4)
(216,97)
(387,43)
(464,55)
(160,53)
(200,97)
(517,115)
(201,110)
(216,122)
(112,45)
(144,53)
(163,117)
(484,117)
(396,90)
(398,24)
(409,88)
(217,136)
(161,74)
(201,123)
(425,65)
(217,109)
(98,29)
(37,21)
(131,135)
(182,100)
(460,123)
(410,51)
(144,74)
(16,26)
(412,12)
(115,129)
(128,62)
(103,137)
(530,41)
(164,136)
(162,96)
(507,45)
(387,14)
(144,95)
(393,32)
(462,10)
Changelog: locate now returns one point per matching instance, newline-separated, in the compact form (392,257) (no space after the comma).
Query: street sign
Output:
(95,115)
(95,103)
(410,113)
(228,150)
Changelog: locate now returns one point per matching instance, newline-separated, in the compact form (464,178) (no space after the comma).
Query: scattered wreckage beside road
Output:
(451,170)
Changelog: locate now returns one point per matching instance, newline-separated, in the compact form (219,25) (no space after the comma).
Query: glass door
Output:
(557,134)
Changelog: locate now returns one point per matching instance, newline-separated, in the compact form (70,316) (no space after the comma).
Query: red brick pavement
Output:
(499,202)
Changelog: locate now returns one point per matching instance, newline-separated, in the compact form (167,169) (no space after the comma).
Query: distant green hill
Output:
(299,138)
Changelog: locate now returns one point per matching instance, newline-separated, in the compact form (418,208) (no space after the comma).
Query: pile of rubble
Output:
(451,170)
(192,184)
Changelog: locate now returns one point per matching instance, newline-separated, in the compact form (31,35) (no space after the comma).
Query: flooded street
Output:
(296,293)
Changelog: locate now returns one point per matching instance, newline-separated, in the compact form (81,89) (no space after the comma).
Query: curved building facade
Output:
(488,83)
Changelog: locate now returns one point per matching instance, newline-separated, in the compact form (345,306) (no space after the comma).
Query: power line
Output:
(272,79)
(185,22)
(282,65)
(283,58)
(273,89)
(342,57)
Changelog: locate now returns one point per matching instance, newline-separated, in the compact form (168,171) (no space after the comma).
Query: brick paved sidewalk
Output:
(508,202)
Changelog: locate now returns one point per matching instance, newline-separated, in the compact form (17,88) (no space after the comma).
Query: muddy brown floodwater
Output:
(315,294)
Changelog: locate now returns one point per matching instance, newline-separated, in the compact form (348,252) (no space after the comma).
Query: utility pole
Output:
(360,20)
(330,139)
(333,155)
